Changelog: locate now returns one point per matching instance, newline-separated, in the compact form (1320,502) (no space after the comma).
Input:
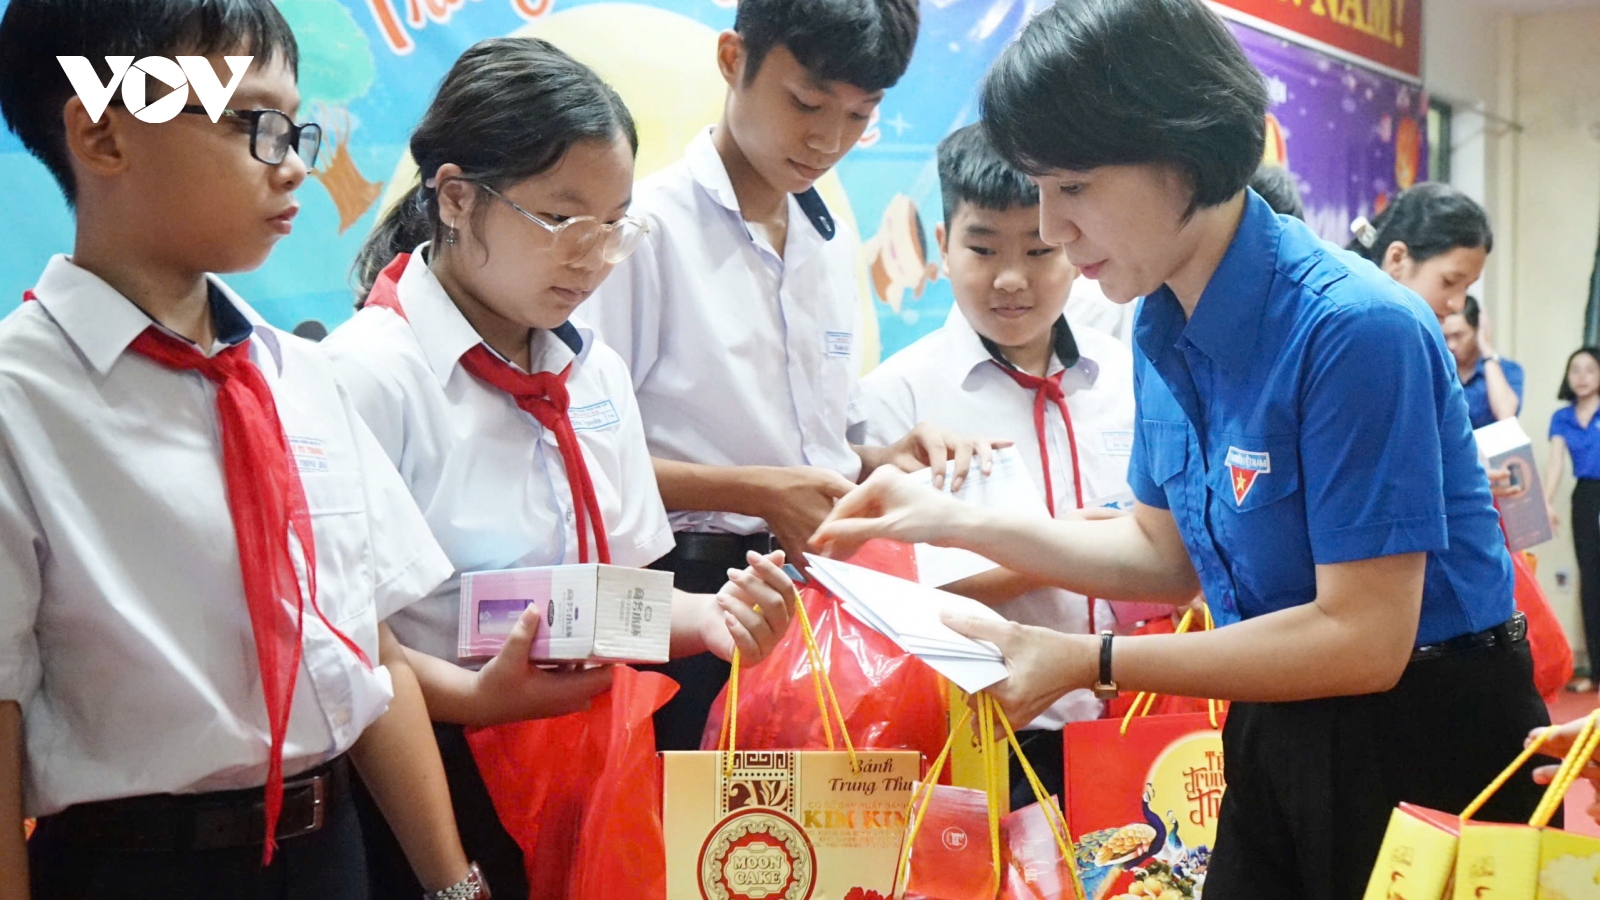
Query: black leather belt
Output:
(727,550)
(1506,635)
(214,821)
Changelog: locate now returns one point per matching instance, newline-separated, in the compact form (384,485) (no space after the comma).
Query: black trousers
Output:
(483,837)
(681,722)
(1311,784)
(326,863)
(1586,541)
(1044,751)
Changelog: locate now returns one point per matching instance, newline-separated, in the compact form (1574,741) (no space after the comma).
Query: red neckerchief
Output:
(268,506)
(542,395)
(1049,390)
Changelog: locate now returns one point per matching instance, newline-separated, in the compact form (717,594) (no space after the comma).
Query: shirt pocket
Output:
(337,502)
(1168,454)
(1255,472)
(1258,514)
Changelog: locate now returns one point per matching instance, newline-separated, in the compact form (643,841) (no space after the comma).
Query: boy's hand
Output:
(509,688)
(800,497)
(929,446)
(752,611)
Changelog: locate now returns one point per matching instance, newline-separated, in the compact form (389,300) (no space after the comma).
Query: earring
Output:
(450,234)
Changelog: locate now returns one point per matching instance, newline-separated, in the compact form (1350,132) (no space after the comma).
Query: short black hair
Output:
(1471,311)
(1093,83)
(866,43)
(34,87)
(970,171)
(1431,219)
(1276,185)
(1566,393)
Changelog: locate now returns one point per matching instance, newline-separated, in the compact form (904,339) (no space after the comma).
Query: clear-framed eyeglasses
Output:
(273,134)
(576,238)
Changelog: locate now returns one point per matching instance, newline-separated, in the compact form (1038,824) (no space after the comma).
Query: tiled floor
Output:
(1565,709)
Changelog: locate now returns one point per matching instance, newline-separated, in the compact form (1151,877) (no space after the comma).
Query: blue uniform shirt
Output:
(1477,391)
(1300,418)
(1583,443)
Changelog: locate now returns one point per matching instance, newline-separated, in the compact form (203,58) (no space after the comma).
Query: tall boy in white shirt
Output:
(737,315)
(1008,365)
(199,539)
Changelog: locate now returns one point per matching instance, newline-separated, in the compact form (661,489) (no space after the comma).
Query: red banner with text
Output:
(1387,33)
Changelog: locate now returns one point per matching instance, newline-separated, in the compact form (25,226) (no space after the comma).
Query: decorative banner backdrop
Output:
(369,67)
(1351,137)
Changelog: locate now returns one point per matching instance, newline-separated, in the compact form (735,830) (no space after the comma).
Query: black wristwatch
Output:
(1106,687)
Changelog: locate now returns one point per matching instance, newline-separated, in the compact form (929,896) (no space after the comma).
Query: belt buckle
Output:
(319,807)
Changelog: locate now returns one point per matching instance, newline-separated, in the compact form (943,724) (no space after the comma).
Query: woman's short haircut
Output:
(1124,82)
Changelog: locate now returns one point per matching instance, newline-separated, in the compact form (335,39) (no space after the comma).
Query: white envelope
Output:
(1007,486)
(908,614)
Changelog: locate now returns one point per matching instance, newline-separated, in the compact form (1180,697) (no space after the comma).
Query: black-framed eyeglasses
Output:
(273,134)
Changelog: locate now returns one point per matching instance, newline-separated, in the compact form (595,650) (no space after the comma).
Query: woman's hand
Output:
(1501,486)
(1044,664)
(889,504)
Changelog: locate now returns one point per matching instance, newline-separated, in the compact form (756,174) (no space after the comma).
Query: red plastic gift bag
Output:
(890,699)
(1036,868)
(579,793)
(951,857)
(1552,655)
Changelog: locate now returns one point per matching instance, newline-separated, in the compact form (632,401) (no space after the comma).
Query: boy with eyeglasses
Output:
(199,538)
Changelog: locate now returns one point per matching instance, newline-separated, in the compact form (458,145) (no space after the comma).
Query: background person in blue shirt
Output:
(1574,432)
(1493,385)
(1302,454)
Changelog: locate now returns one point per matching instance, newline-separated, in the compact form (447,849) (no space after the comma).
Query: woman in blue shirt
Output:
(1574,432)
(1302,454)
(1493,385)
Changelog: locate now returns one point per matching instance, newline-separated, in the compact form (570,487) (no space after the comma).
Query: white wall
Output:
(1554,180)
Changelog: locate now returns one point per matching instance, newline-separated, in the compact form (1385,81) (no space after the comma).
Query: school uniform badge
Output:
(1246,466)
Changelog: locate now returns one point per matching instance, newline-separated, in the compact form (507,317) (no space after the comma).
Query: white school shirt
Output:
(739,357)
(948,378)
(124,630)
(488,477)
(1089,307)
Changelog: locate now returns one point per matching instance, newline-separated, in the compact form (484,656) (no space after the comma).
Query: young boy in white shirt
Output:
(1008,365)
(199,539)
(737,315)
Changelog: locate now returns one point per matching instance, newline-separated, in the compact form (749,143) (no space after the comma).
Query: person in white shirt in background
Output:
(517,433)
(738,314)
(1009,364)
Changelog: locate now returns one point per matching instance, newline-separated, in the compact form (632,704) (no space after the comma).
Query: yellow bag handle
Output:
(988,713)
(1583,750)
(1586,741)
(1148,699)
(819,683)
